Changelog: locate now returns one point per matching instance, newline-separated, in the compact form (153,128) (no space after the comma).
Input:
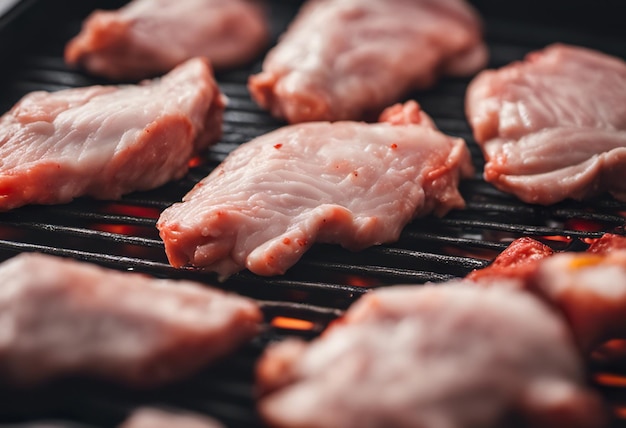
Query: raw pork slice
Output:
(343,59)
(607,243)
(147,417)
(518,260)
(149,37)
(104,141)
(446,355)
(553,126)
(60,317)
(588,287)
(349,183)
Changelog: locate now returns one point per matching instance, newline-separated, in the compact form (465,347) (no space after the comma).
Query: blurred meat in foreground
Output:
(446,355)
(146,417)
(589,287)
(60,317)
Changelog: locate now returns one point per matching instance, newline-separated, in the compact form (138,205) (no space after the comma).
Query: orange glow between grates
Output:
(10,233)
(133,210)
(292,323)
(610,351)
(195,161)
(620,412)
(558,238)
(583,225)
(610,379)
(119,229)
(359,281)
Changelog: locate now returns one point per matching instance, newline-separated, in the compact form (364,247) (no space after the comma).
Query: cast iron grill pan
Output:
(122,234)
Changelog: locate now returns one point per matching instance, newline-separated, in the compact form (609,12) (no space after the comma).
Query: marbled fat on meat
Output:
(60,317)
(105,141)
(350,183)
(343,59)
(553,126)
(446,355)
(150,37)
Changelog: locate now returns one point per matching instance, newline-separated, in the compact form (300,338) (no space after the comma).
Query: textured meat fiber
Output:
(588,287)
(349,183)
(518,260)
(553,126)
(61,317)
(149,37)
(342,59)
(105,141)
(446,355)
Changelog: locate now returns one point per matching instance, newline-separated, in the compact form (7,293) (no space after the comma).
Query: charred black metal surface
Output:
(122,234)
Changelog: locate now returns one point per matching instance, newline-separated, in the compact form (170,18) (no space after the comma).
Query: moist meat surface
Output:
(343,59)
(607,243)
(518,260)
(350,183)
(105,141)
(150,37)
(588,287)
(447,355)
(553,126)
(60,317)
(147,417)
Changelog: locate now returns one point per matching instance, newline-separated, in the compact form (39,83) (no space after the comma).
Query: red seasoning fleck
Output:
(278,146)
(286,241)
(394,146)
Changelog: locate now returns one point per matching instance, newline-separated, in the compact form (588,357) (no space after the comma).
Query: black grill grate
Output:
(122,234)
